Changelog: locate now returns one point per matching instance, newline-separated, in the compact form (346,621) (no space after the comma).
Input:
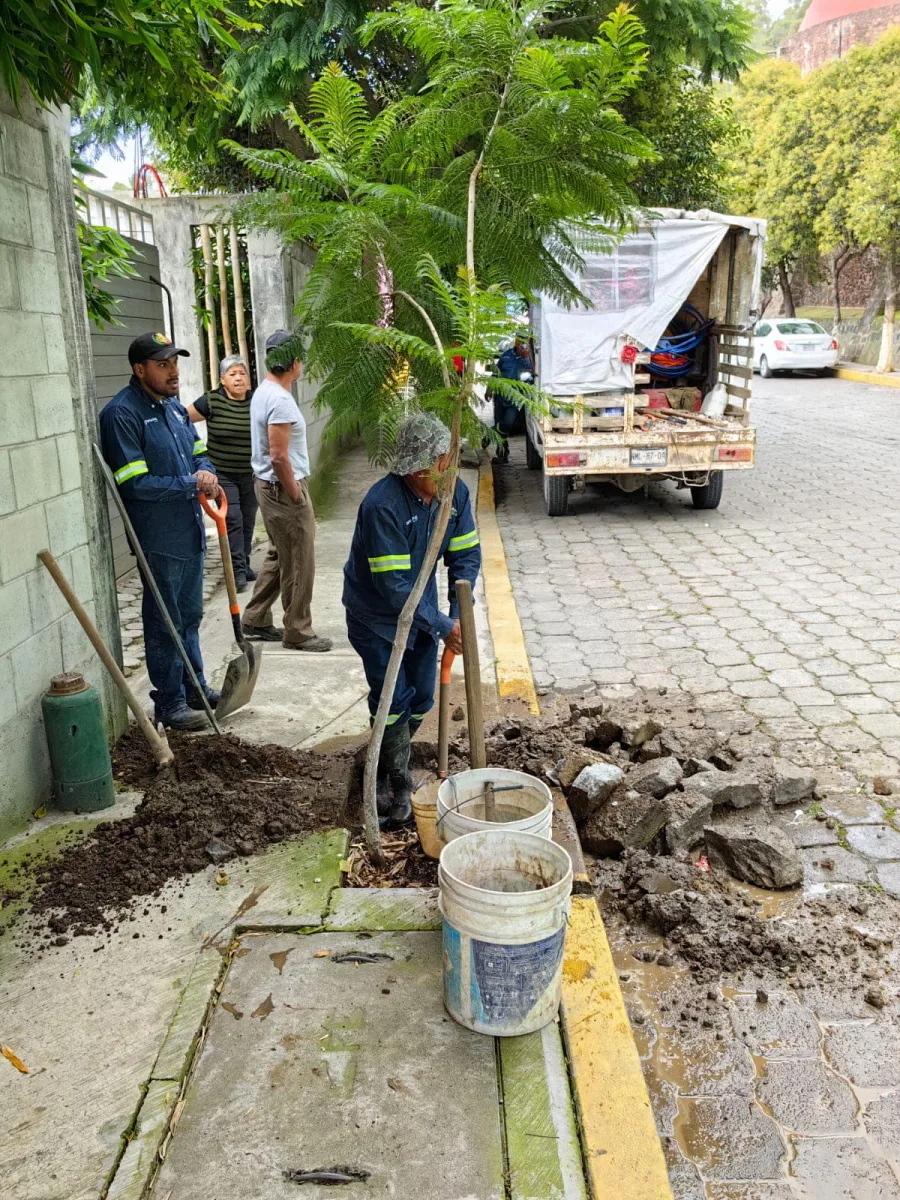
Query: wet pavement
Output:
(780,613)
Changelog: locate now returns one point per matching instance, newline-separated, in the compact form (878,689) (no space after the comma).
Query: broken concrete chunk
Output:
(689,813)
(628,819)
(792,785)
(690,743)
(603,733)
(575,762)
(693,766)
(657,777)
(592,788)
(651,749)
(734,788)
(759,854)
(638,731)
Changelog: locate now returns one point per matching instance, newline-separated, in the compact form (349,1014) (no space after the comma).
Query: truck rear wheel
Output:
(532,457)
(709,496)
(556,495)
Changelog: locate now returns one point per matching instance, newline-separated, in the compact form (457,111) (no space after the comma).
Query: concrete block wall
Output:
(43,426)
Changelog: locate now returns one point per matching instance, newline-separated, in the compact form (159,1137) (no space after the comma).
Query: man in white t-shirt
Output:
(280,462)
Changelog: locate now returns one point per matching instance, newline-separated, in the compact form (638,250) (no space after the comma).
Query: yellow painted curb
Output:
(622,1152)
(889,380)
(510,656)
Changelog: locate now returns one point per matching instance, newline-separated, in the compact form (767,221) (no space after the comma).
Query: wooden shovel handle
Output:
(219,512)
(159,745)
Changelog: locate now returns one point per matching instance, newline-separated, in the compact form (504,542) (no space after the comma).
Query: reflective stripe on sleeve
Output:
(199,447)
(138,467)
(390,562)
(465,541)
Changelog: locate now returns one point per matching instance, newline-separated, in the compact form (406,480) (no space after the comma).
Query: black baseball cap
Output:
(153,345)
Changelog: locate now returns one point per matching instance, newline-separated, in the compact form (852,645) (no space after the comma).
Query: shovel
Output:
(243,671)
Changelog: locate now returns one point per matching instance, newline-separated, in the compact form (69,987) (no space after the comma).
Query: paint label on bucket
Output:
(498,985)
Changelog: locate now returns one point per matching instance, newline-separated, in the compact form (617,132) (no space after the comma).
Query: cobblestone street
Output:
(780,613)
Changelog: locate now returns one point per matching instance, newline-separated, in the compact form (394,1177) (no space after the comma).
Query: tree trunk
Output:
(237,280)
(886,356)
(223,291)
(208,308)
(787,296)
(836,284)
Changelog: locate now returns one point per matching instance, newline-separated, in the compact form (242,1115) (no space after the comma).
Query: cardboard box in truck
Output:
(609,419)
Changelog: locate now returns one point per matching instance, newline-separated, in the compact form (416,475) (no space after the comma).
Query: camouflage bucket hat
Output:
(421,440)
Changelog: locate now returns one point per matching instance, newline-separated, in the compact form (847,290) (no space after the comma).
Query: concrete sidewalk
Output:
(108,1026)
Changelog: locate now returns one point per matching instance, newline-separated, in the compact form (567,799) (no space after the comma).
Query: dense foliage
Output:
(821,158)
(386,196)
(134,47)
(690,44)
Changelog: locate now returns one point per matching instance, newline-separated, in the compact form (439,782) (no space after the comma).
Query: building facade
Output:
(831,28)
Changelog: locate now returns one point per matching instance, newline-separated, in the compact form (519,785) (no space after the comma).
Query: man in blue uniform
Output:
(514,363)
(160,467)
(393,526)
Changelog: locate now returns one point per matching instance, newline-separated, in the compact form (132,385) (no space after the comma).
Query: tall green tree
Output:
(873,215)
(429,211)
(770,176)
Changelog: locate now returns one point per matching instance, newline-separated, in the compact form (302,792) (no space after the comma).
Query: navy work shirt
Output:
(392,531)
(153,451)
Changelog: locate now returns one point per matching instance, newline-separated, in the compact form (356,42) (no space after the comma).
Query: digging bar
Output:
(159,743)
(444,712)
(151,583)
(474,711)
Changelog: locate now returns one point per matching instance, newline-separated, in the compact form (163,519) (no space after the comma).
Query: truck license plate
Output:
(655,457)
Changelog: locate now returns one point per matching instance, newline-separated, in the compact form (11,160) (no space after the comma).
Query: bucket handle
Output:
(511,787)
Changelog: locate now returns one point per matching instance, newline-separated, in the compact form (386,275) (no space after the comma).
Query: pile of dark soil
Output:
(716,927)
(223,799)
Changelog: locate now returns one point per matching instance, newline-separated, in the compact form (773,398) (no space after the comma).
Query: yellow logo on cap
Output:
(161,339)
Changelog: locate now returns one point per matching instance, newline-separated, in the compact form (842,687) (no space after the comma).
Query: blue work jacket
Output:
(153,452)
(392,531)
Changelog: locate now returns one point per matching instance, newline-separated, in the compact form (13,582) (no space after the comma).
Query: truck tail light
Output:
(780,345)
(568,458)
(733,454)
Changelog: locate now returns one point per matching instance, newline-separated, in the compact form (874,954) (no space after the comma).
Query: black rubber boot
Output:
(395,759)
(382,795)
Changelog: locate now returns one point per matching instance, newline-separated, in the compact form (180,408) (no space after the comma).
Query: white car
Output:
(792,344)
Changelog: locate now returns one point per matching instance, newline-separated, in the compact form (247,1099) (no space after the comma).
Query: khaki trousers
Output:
(290,565)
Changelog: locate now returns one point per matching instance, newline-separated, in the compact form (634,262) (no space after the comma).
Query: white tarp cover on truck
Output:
(635,290)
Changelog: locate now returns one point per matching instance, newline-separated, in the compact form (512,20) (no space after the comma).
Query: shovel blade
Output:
(240,680)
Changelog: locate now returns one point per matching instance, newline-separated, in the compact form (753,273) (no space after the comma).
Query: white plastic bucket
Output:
(505,898)
(460,804)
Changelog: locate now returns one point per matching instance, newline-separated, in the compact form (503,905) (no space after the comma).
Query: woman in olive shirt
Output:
(226,411)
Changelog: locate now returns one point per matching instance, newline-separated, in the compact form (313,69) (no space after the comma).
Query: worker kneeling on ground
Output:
(393,526)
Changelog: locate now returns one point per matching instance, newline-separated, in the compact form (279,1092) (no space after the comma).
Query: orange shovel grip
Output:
(218,512)
(446,663)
